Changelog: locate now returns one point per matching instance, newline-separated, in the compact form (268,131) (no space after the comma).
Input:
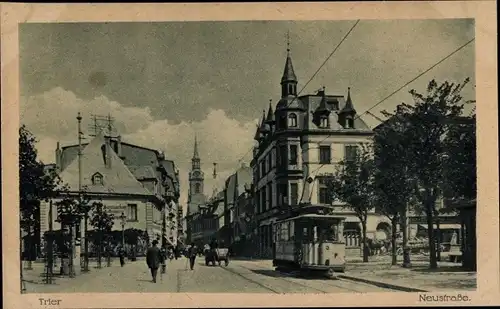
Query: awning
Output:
(443,226)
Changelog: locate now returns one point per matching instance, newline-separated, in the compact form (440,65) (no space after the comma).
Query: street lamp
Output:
(123,218)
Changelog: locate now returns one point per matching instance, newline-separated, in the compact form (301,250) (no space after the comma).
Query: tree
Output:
(35,184)
(427,122)
(353,183)
(460,160)
(102,223)
(69,215)
(393,186)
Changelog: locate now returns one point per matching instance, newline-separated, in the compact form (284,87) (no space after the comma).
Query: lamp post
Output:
(123,218)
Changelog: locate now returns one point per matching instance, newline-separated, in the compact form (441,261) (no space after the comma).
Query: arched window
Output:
(97,179)
(292,120)
(197,188)
(323,122)
(290,89)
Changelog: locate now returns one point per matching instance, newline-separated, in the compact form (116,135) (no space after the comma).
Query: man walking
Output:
(192,255)
(153,259)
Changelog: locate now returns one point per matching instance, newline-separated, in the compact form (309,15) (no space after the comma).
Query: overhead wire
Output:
(399,89)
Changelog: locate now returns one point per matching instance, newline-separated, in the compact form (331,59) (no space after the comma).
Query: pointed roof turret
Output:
(323,107)
(348,107)
(288,73)
(270,114)
(196,155)
(264,127)
(257,133)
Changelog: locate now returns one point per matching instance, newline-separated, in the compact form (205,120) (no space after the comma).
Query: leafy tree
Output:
(102,223)
(35,184)
(69,216)
(427,122)
(393,188)
(353,183)
(460,160)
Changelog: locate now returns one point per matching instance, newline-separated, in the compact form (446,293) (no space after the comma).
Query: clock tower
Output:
(196,177)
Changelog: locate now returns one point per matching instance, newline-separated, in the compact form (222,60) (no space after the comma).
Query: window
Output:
(262,171)
(325,155)
(324,195)
(259,204)
(350,152)
(283,194)
(284,231)
(292,230)
(263,198)
(97,179)
(197,188)
(270,161)
(270,193)
(283,153)
(292,120)
(349,123)
(273,157)
(323,122)
(132,212)
(293,155)
(294,194)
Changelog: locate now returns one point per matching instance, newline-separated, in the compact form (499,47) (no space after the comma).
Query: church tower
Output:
(196,178)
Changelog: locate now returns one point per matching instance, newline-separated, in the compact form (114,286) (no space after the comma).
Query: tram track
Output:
(285,278)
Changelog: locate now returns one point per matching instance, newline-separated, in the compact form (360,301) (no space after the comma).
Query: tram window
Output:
(285,231)
(292,230)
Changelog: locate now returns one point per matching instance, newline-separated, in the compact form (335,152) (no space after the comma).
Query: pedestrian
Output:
(153,259)
(193,250)
(163,260)
(121,254)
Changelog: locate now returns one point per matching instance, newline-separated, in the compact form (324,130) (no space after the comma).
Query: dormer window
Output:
(323,122)
(349,123)
(292,120)
(97,179)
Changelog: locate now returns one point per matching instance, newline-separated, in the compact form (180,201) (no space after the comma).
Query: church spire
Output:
(196,155)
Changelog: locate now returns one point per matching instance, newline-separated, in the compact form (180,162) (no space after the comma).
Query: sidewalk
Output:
(418,278)
(34,279)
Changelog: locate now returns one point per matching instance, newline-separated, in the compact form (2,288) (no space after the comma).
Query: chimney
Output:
(119,147)
(58,158)
(106,149)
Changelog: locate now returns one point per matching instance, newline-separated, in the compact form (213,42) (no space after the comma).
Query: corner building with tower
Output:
(297,147)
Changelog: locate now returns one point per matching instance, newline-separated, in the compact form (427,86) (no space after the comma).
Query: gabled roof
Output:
(117,178)
(143,172)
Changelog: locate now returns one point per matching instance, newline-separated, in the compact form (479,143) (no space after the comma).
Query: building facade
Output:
(236,185)
(298,145)
(127,179)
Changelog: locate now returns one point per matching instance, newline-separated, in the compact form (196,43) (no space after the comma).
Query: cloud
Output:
(51,117)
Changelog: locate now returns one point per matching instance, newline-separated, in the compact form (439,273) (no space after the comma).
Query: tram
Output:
(310,243)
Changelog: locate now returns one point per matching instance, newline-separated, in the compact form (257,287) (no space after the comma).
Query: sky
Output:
(164,82)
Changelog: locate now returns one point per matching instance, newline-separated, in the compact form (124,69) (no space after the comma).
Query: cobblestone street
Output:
(256,276)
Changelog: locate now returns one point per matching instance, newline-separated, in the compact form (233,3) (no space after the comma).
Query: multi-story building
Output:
(297,148)
(135,184)
(206,221)
(236,185)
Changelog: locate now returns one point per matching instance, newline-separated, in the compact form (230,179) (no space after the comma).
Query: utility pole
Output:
(50,248)
(73,226)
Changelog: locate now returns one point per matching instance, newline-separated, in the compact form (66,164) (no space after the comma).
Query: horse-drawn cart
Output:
(218,255)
